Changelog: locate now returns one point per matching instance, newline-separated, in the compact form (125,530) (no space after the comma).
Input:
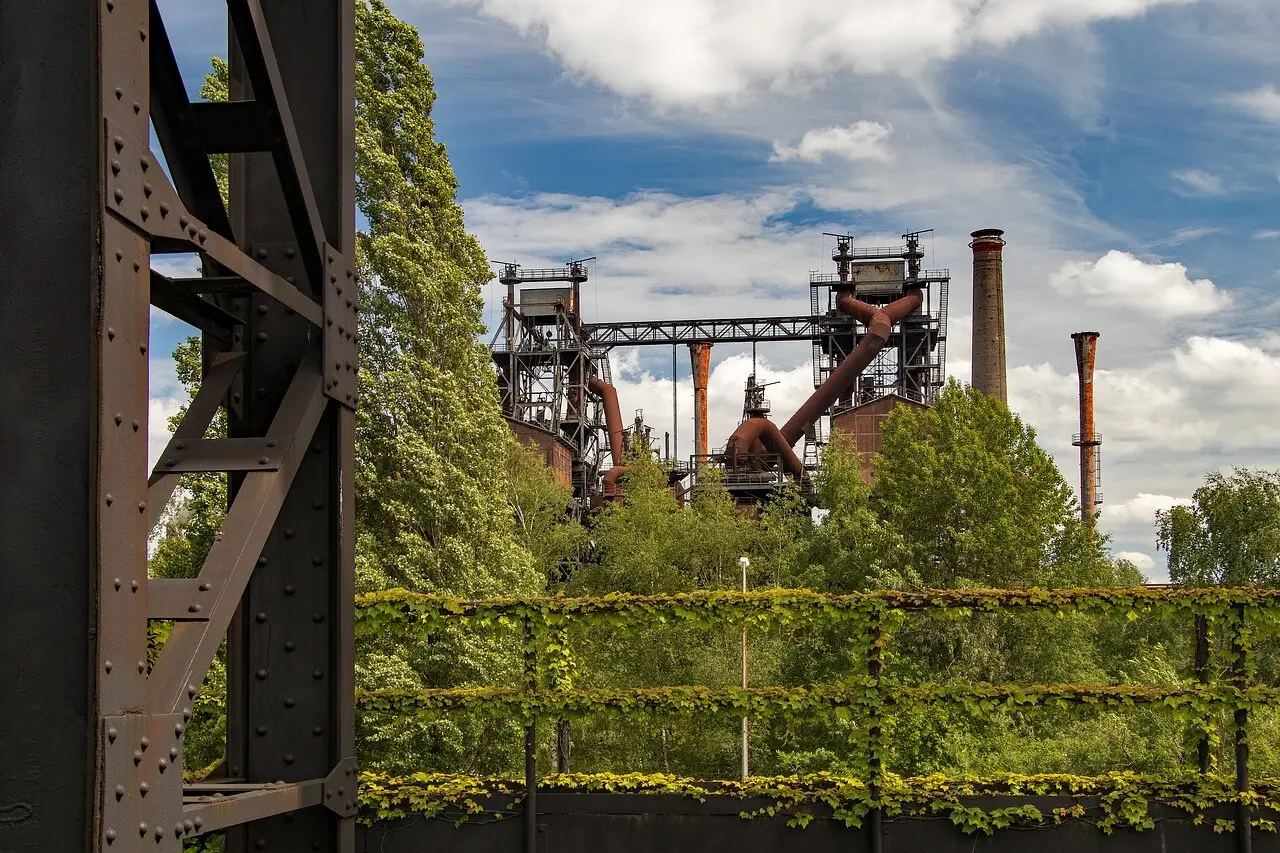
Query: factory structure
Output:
(877,327)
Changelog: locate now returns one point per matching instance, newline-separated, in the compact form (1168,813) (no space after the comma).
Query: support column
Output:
(700,355)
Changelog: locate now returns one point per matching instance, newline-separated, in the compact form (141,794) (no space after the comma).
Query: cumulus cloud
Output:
(1263,102)
(1142,508)
(695,52)
(862,140)
(1143,562)
(167,396)
(1198,182)
(1122,280)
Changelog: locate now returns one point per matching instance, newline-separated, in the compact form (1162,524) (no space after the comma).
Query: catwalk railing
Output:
(870,696)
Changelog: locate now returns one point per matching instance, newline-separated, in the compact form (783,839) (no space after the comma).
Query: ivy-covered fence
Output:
(547,693)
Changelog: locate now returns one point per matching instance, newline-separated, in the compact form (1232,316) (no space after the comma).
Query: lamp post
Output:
(743,562)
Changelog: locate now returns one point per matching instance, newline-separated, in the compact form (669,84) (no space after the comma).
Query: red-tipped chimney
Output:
(988,313)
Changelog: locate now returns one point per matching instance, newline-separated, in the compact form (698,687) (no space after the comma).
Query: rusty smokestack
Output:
(988,313)
(1089,440)
(700,355)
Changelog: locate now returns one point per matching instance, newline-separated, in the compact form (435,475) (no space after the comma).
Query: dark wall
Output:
(592,823)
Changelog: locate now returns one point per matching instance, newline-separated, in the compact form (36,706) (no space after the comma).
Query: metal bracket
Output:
(341,332)
(223,454)
(180,600)
(341,789)
(142,766)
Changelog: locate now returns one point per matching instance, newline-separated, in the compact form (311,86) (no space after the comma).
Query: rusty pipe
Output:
(611,488)
(757,431)
(861,311)
(612,417)
(1088,441)
(700,355)
(843,377)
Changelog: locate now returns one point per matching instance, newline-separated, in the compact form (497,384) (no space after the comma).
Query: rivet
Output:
(142,36)
(110,499)
(271,443)
(133,585)
(289,702)
(194,608)
(144,788)
(142,507)
(181,445)
(173,753)
(119,419)
(111,4)
(291,279)
(261,730)
(107,666)
(202,236)
(116,583)
(111,333)
(137,757)
(169,463)
(262,254)
(115,170)
(317,617)
(317,731)
(260,844)
(198,822)
(110,836)
(317,560)
(204,587)
(262,561)
(317,674)
(163,764)
(145,213)
(262,616)
(112,735)
(136,426)
(262,673)
(289,252)
(119,195)
(317,504)
(137,107)
(159,832)
(191,691)
(146,189)
(186,714)
(178,729)
(119,143)
(235,398)
(142,666)
(262,309)
(342,792)
(288,758)
(119,792)
(263,460)
(188,825)
(339,287)
(289,646)
(145,163)
(164,209)
(177,829)
(182,222)
(142,829)
(289,589)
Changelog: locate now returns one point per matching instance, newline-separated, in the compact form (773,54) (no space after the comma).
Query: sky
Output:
(699,148)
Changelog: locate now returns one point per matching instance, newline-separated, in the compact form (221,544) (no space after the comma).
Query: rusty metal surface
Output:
(700,356)
(989,374)
(1088,439)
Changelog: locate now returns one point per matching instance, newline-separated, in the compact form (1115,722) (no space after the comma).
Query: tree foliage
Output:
(1229,535)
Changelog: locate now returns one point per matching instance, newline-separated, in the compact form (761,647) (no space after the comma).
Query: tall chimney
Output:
(988,313)
(1088,439)
(700,355)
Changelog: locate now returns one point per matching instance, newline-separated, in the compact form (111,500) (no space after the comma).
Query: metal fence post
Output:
(530,742)
(1240,677)
(875,668)
(1202,676)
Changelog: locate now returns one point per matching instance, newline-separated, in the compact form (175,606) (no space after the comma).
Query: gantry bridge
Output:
(93,716)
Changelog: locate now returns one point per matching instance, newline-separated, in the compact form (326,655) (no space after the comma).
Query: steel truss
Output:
(92,752)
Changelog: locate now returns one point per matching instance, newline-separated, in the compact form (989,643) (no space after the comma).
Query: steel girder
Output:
(91,757)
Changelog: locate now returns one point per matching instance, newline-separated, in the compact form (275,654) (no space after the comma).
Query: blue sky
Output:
(1127,147)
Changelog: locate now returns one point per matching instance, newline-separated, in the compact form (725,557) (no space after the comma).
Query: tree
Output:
(977,501)
(1229,535)
(540,506)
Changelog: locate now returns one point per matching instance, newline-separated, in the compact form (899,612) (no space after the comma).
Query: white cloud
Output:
(166,396)
(1143,562)
(1198,182)
(1188,235)
(1122,280)
(862,140)
(1263,102)
(1267,234)
(696,52)
(1142,508)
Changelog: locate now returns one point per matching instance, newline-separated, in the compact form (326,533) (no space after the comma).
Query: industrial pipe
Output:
(861,311)
(700,355)
(617,440)
(756,432)
(1088,439)
(879,327)
(988,313)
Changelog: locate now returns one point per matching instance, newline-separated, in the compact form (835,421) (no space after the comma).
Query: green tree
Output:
(541,507)
(1229,535)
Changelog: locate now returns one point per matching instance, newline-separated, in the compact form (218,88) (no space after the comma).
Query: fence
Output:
(546,694)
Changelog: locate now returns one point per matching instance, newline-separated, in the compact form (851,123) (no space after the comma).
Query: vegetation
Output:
(963,498)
